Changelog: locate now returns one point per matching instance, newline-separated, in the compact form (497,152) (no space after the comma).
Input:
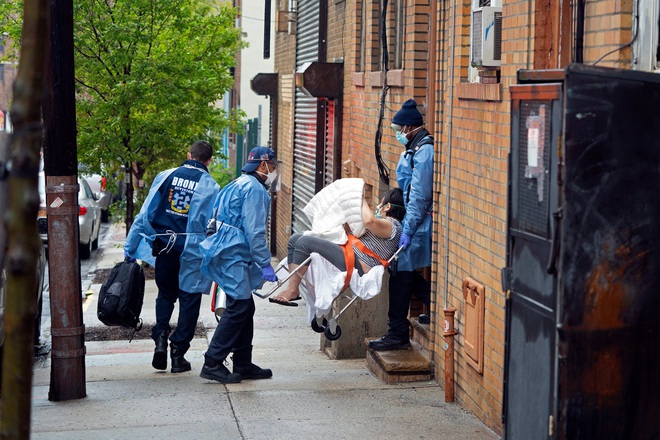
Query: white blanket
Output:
(323,282)
(336,204)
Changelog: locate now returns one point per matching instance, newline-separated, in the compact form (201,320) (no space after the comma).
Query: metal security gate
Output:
(306,111)
(329,164)
(530,355)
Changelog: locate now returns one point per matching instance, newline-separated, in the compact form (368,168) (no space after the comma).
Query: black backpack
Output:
(121,296)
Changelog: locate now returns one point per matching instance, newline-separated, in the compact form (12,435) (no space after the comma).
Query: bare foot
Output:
(288,295)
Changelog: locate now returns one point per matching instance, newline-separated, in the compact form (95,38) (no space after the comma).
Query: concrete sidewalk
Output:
(309,396)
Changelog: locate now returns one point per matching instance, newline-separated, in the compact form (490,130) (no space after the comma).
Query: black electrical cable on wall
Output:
(383,171)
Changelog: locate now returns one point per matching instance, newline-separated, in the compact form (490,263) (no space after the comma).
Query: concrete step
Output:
(421,333)
(396,366)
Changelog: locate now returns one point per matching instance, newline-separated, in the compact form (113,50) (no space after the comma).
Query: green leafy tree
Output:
(148,77)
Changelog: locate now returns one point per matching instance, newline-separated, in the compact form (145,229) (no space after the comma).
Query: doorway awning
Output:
(264,84)
(321,80)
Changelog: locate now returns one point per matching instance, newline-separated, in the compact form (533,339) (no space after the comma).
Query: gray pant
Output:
(301,246)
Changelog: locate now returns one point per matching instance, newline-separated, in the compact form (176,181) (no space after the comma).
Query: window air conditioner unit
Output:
(487,36)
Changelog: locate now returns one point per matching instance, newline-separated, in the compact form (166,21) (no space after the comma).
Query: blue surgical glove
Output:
(404,241)
(127,258)
(268,273)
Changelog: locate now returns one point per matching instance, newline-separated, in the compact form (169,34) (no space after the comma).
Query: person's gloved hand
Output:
(268,273)
(127,258)
(211,227)
(404,241)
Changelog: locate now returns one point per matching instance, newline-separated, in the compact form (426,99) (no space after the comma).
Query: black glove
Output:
(210,227)
(128,258)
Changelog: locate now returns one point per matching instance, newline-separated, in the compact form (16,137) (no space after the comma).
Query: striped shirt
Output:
(383,247)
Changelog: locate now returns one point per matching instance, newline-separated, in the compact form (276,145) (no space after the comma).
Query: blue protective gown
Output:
(234,255)
(142,233)
(417,185)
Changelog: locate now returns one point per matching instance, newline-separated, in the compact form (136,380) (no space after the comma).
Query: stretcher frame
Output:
(329,327)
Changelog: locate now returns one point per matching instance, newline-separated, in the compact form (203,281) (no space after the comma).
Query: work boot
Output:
(159,361)
(389,342)
(252,371)
(242,360)
(179,363)
(214,370)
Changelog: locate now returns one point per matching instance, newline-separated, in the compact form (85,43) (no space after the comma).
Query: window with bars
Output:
(399,30)
(363,38)
(370,50)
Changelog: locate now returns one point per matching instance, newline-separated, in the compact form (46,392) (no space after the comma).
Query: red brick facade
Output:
(471,124)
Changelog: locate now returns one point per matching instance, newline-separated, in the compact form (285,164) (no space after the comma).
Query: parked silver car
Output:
(98,184)
(89,216)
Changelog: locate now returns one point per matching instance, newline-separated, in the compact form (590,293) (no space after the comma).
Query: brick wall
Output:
(476,191)
(471,171)
(608,26)
(285,62)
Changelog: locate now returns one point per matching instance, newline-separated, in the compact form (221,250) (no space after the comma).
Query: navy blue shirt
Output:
(171,214)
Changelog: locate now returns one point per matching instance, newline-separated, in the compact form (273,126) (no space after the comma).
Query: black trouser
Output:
(403,286)
(234,332)
(167,280)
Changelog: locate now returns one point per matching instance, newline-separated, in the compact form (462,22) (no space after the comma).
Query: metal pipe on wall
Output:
(449,334)
(449,145)
(433,59)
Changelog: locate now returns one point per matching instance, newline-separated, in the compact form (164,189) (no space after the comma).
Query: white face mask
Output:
(270,177)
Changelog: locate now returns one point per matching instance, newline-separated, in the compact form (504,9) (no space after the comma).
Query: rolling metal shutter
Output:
(306,112)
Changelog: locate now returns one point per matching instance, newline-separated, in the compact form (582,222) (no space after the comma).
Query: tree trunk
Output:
(130,193)
(24,241)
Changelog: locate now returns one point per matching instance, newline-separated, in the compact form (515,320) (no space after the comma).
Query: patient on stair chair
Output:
(347,237)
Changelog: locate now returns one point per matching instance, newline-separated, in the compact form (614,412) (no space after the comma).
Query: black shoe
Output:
(159,362)
(389,342)
(253,372)
(219,373)
(424,319)
(179,363)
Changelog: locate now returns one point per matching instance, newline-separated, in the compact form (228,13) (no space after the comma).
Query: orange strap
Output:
(349,256)
(352,239)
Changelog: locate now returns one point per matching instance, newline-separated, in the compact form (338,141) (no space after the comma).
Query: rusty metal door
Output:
(583,258)
(609,303)
(530,353)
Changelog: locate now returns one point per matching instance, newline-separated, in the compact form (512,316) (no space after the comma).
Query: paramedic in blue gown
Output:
(414,175)
(237,257)
(170,226)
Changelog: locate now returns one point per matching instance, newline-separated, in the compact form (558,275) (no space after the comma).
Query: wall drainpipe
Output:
(449,353)
(450,331)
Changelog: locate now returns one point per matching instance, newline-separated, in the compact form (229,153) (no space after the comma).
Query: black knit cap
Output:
(408,115)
